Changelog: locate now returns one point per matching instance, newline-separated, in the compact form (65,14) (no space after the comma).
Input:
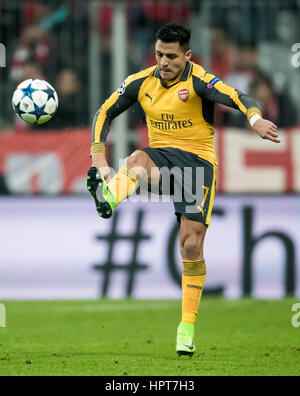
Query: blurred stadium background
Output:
(52,244)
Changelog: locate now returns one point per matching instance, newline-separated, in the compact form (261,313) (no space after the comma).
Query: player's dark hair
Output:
(173,33)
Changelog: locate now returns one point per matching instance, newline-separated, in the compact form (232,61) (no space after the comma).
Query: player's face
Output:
(171,59)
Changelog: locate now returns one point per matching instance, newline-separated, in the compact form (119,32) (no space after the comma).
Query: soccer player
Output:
(178,99)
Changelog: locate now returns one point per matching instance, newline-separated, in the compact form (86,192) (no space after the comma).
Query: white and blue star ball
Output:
(35,101)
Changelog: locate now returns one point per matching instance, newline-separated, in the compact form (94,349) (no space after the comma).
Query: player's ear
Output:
(188,55)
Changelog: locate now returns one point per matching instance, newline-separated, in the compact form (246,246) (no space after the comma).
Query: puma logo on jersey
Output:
(148,96)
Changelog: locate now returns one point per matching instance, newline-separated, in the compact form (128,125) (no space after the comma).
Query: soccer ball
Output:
(35,101)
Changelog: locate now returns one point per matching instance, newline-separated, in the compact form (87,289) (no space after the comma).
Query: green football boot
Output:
(104,199)
(185,339)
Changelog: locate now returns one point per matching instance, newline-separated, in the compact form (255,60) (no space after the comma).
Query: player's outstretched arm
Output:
(115,105)
(266,130)
(212,88)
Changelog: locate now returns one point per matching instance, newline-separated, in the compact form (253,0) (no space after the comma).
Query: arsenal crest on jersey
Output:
(184,95)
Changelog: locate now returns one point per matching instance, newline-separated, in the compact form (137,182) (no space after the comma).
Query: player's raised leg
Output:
(192,235)
(107,195)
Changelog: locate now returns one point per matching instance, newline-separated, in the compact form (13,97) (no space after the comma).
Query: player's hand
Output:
(266,130)
(99,161)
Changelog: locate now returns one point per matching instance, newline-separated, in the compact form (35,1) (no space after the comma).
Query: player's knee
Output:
(137,162)
(192,248)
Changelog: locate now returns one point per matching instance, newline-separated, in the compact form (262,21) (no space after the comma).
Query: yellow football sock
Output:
(124,183)
(193,279)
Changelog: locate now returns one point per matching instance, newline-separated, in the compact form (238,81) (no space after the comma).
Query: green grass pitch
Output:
(129,337)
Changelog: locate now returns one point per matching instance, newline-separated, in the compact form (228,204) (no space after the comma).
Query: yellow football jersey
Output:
(179,114)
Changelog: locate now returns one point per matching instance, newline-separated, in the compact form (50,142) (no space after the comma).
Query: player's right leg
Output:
(139,166)
(192,235)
